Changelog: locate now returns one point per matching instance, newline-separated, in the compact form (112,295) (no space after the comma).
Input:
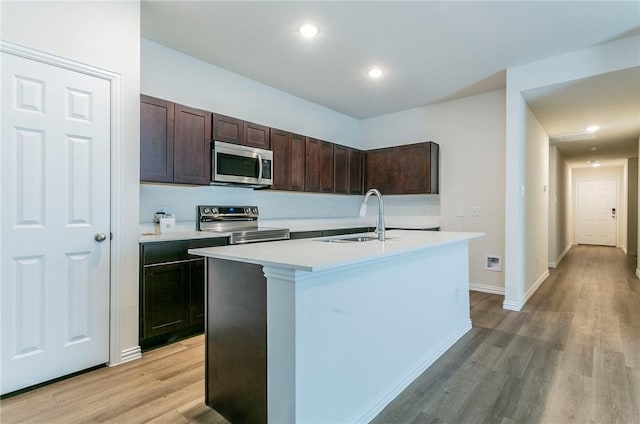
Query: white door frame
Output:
(576,203)
(116,276)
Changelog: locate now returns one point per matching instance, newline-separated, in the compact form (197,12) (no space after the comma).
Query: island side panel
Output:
(236,341)
(363,334)
(281,344)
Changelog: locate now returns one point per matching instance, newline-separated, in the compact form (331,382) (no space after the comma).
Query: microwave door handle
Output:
(259,167)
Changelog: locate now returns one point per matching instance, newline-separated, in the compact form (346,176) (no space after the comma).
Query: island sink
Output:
(350,239)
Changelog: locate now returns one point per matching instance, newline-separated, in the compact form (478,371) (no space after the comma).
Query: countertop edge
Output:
(206,252)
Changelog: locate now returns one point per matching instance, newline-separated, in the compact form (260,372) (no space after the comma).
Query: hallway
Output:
(572,355)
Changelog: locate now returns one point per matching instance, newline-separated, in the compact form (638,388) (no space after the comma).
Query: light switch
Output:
(475,211)
(460,211)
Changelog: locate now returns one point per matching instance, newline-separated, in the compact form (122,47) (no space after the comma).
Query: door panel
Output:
(55,193)
(595,222)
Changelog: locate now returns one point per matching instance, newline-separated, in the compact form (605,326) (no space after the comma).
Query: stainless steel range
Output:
(240,221)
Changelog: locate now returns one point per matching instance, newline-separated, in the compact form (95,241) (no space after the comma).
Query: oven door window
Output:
(240,166)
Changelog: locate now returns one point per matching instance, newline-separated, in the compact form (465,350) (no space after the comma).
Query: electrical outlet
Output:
(460,211)
(475,211)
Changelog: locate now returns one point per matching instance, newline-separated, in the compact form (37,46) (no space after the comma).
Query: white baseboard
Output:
(559,258)
(130,354)
(624,249)
(517,306)
(371,411)
(637,272)
(485,288)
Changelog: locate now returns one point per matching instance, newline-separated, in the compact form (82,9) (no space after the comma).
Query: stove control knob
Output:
(254,210)
(214,210)
(207,210)
(247,210)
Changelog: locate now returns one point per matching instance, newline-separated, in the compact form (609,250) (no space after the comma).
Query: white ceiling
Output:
(611,101)
(432,51)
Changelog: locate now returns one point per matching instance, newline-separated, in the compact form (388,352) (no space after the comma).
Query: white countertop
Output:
(187,230)
(314,255)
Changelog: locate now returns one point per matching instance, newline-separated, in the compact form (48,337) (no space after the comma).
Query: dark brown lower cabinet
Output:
(236,341)
(165,293)
(171,291)
(196,300)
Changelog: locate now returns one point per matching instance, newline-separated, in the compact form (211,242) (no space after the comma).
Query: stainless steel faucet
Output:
(380,225)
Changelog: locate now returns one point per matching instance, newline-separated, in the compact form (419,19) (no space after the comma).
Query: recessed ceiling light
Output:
(308,30)
(594,148)
(375,73)
(593,128)
(594,163)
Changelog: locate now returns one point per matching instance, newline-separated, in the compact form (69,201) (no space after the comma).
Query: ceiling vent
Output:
(579,136)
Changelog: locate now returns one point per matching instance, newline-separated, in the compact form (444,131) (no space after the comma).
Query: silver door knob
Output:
(99,237)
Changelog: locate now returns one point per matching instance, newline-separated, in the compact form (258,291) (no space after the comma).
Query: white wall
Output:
(470,132)
(536,213)
(632,202)
(601,59)
(104,35)
(605,173)
(559,201)
(171,75)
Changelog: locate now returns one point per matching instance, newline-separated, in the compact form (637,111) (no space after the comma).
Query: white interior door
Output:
(55,207)
(596,212)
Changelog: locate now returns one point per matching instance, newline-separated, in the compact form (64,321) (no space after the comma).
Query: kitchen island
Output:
(329,331)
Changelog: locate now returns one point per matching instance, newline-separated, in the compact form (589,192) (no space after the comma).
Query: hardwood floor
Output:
(165,386)
(572,355)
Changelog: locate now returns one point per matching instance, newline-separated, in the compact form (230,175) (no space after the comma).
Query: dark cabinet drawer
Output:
(164,251)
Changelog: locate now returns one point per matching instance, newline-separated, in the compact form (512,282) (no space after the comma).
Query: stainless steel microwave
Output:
(236,164)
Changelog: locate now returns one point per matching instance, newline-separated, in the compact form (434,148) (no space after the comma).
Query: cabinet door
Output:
(326,167)
(156,139)
(415,162)
(192,159)
(355,171)
(226,128)
(312,165)
(341,170)
(256,135)
(196,304)
(165,298)
(281,146)
(380,170)
(297,162)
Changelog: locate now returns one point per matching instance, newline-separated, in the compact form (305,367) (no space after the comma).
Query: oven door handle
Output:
(259,167)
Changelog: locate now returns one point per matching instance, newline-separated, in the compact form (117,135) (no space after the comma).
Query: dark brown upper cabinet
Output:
(356,163)
(237,131)
(226,128)
(192,150)
(175,143)
(318,166)
(326,167)
(380,171)
(256,135)
(406,169)
(156,139)
(340,169)
(347,170)
(288,160)
(297,162)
